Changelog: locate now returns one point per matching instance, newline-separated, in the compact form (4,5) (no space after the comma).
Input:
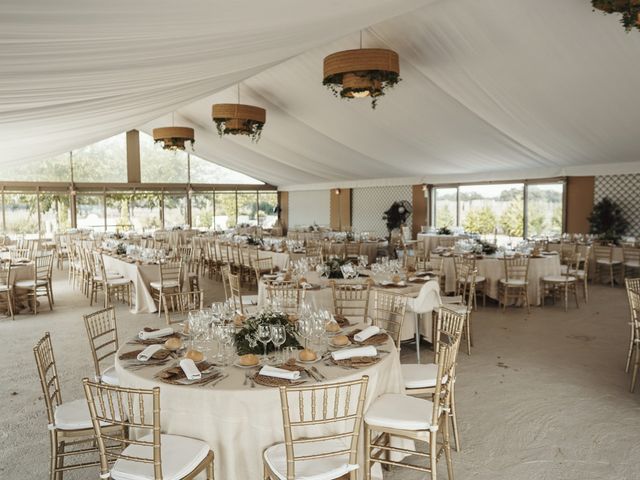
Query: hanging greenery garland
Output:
(630,10)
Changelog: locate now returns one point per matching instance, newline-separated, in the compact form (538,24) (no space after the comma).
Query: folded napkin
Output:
(369,351)
(189,368)
(148,352)
(280,278)
(269,371)
(306,285)
(163,332)
(366,333)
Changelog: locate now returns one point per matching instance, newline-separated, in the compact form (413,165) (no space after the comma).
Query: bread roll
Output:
(195,355)
(308,355)
(248,360)
(173,344)
(396,278)
(238,320)
(340,340)
(302,280)
(332,327)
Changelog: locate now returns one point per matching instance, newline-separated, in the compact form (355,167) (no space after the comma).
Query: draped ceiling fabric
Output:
(490,89)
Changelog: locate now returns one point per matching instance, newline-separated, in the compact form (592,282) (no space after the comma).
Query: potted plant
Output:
(607,221)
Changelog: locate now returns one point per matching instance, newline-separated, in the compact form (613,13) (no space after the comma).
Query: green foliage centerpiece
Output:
(246,338)
(607,220)
(332,268)
(444,231)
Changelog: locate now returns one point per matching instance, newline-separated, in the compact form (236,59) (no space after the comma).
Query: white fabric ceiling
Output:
(492,89)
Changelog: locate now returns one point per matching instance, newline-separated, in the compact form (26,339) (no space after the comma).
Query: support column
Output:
(133,157)
(340,209)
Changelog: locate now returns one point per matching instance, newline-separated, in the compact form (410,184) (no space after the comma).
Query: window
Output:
(492,209)
(161,166)
(203,171)
(544,209)
(267,203)
(55,213)
(103,162)
(55,169)
(90,211)
(175,210)
(21,213)
(446,207)
(202,210)
(119,212)
(225,210)
(247,208)
(146,211)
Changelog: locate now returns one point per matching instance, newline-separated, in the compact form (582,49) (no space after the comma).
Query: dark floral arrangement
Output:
(254,241)
(607,221)
(630,10)
(444,231)
(397,214)
(121,249)
(247,340)
(332,267)
(487,248)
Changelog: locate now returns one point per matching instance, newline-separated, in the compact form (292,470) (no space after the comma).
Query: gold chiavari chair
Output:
(18,254)
(333,412)
(634,305)
(75,268)
(191,269)
(480,281)
(631,260)
(212,260)
(248,255)
(388,313)
(178,305)
(462,303)
(406,416)
(351,300)
(582,274)
(631,285)
(288,295)
(562,285)
(604,261)
(170,281)
(153,454)
(183,251)
(40,285)
(102,332)
(70,429)
(420,379)
(6,288)
(262,266)
(313,250)
(567,252)
(111,286)
(446,242)
(436,268)
(515,284)
(352,250)
(241,303)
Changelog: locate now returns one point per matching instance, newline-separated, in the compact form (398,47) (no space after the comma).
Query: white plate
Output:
(309,362)
(237,364)
(333,334)
(340,346)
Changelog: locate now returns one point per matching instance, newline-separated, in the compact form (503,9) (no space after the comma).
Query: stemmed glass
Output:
(227,339)
(278,337)
(264,336)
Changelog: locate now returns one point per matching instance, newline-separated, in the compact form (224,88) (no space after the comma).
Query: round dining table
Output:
(239,421)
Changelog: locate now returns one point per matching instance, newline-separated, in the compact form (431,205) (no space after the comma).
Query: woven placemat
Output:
(172,375)
(132,355)
(155,341)
(342,320)
(266,381)
(377,339)
(357,362)
(420,280)
(392,285)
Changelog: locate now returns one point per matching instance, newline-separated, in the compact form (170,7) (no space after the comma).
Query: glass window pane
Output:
(56,169)
(268,201)
(104,161)
(225,210)
(203,171)
(55,213)
(544,209)
(21,214)
(247,208)
(445,207)
(161,166)
(496,210)
(119,212)
(146,211)
(175,210)
(202,210)
(90,212)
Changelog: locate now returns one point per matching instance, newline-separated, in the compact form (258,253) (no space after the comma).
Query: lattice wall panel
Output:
(625,190)
(370,203)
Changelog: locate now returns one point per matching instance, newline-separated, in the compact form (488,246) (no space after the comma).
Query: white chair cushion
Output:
(318,469)
(480,279)
(118,281)
(459,308)
(419,375)
(5,288)
(249,300)
(558,279)
(402,412)
(604,261)
(29,283)
(514,282)
(110,376)
(180,456)
(632,264)
(167,284)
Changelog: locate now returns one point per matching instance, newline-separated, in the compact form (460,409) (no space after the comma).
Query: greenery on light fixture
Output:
(630,10)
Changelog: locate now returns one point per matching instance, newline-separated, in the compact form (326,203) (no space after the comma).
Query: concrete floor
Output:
(543,395)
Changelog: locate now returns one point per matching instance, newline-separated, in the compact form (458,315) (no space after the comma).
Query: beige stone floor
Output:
(543,396)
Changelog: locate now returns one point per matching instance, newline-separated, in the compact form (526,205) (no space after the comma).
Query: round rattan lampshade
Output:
(364,72)
(173,138)
(239,119)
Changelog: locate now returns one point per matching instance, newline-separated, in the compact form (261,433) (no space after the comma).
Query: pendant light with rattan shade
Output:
(174,138)
(239,119)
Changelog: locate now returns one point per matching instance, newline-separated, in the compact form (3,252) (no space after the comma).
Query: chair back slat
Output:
(351,299)
(102,332)
(288,296)
(177,305)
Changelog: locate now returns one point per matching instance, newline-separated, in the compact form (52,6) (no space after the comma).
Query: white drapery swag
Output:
(492,89)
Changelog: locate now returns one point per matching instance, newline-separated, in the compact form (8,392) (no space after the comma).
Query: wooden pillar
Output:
(420,208)
(283,202)
(133,157)
(340,209)
(579,203)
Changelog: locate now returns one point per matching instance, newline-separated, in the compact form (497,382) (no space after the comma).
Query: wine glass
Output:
(264,336)
(278,337)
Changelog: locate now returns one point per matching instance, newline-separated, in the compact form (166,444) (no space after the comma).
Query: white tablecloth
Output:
(141,276)
(239,422)
(432,240)
(493,270)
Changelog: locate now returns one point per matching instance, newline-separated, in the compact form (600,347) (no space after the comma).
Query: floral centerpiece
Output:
(485,247)
(332,268)
(444,231)
(121,249)
(247,339)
